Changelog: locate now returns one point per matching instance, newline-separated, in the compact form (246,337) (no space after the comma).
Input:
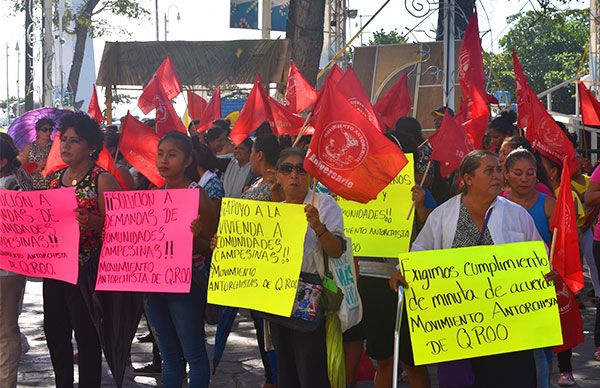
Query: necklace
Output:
(76,178)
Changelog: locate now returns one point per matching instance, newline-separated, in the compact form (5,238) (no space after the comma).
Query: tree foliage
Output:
(550,45)
(383,37)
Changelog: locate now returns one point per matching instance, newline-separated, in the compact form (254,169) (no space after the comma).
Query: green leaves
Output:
(382,37)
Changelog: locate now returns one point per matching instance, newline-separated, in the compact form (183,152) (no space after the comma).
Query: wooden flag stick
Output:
(302,130)
(314,189)
(422,144)
(553,245)
(412,207)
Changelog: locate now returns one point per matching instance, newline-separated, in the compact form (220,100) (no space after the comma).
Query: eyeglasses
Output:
(287,168)
(45,129)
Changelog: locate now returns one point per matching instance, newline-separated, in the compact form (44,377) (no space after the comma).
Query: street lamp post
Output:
(156,17)
(7,91)
(167,18)
(18,50)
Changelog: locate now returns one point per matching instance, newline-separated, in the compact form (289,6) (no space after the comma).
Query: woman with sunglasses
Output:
(301,356)
(37,152)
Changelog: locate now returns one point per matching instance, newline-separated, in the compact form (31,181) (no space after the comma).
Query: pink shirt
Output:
(539,187)
(595,178)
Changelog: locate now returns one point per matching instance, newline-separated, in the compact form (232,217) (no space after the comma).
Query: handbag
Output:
(344,273)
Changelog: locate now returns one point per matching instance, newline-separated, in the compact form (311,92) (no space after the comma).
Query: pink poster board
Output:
(39,234)
(147,241)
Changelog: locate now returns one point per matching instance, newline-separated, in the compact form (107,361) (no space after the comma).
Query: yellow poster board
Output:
(477,301)
(382,227)
(257,261)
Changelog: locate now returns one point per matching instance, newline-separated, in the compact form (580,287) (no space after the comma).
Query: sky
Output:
(209,20)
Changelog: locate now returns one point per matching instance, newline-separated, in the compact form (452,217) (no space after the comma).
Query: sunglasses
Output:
(45,129)
(287,168)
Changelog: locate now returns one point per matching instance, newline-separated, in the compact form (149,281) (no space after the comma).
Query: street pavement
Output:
(241,366)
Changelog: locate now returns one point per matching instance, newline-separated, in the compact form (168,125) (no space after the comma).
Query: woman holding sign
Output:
(65,309)
(177,320)
(477,216)
(12,285)
(302,356)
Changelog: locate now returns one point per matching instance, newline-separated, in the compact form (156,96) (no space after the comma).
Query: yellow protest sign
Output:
(380,228)
(477,301)
(257,261)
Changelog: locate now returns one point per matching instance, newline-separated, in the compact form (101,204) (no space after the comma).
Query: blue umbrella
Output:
(22,130)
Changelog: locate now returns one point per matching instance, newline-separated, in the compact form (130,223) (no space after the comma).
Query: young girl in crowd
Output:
(12,285)
(500,128)
(177,320)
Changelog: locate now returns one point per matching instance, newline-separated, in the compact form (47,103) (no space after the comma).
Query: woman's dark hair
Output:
(264,129)
(269,146)
(504,123)
(571,136)
(9,152)
(111,138)
(214,133)
(225,124)
(519,154)
(404,141)
(285,141)
(516,142)
(44,121)
(86,128)
(411,127)
(193,123)
(184,143)
(205,158)
(290,151)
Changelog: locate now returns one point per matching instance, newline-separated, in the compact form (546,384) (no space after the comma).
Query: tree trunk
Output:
(460,21)
(81,35)
(305,32)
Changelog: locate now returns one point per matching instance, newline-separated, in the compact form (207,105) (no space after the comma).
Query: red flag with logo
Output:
(571,322)
(139,146)
(299,94)
(590,107)
(211,113)
(165,78)
(255,112)
(94,107)
(349,85)
(450,144)
(105,160)
(347,153)
(474,114)
(167,119)
(522,90)
(196,105)
(395,103)
(546,136)
(566,260)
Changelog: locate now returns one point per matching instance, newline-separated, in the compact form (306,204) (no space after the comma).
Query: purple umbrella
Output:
(22,130)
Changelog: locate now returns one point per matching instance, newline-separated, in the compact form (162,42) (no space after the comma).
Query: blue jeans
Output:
(542,366)
(177,321)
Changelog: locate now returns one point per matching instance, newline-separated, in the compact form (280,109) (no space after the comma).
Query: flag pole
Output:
(302,130)
(412,207)
(397,335)
(553,245)
(314,189)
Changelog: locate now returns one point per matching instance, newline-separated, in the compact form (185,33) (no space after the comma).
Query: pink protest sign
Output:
(39,235)
(147,241)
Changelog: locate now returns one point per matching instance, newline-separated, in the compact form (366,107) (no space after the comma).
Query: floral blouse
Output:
(86,193)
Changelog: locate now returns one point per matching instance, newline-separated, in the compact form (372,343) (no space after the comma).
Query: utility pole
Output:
(18,50)
(7,91)
(47,53)
(266,19)
(594,44)
(449,54)
(156,17)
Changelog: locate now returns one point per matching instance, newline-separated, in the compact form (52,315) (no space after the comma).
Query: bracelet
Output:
(323,232)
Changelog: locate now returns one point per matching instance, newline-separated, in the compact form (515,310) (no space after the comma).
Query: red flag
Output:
(450,144)
(590,107)
(571,322)
(282,121)
(255,112)
(347,154)
(167,119)
(546,136)
(105,160)
(196,105)
(470,70)
(566,260)
(395,103)
(299,94)
(94,108)
(522,90)
(474,114)
(335,74)
(139,146)
(211,113)
(349,85)
(165,79)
